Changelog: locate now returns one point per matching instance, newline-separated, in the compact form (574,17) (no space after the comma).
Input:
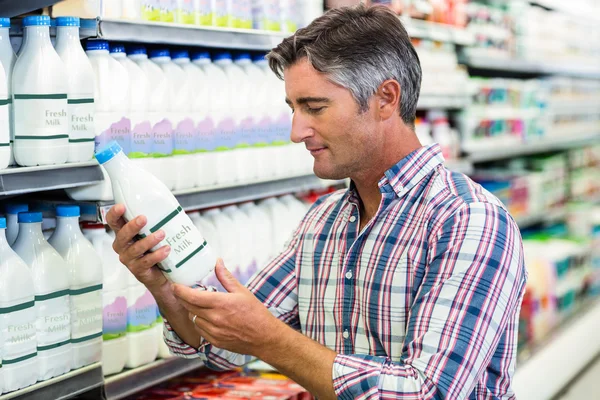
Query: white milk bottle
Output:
(40,87)
(17,319)
(276,212)
(156,113)
(210,163)
(7,59)
(236,154)
(228,240)
(203,13)
(261,226)
(80,97)
(114,300)
(186,132)
(85,270)
(246,242)
(207,228)
(5,101)
(296,210)
(178,108)
(51,286)
(191,258)
(12,221)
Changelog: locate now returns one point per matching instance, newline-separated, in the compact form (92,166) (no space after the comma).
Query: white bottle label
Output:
(86,313)
(41,116)
(18,323)
(81,115)
(183,237)
(53,320)
(4,123)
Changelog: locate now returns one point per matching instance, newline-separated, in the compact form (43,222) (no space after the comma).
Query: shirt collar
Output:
(408,172)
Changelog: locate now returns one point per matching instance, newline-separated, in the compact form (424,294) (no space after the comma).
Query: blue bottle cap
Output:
(136,50)
(30,217)
(67,211)
(201,55)
(96,45)
(242,56)
(160,53)
(108,152)
(4,22)
(259,57)
(117,48)
(36,20)
(16,208)
(2,223)
(223,55)
(67,21)
(180,54)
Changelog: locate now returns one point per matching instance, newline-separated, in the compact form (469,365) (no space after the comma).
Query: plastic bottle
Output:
(12,221)
(114,300)
(184,12)
(85,277)
(167,9)
(178,114)
(246,243)
(243,14)
(261,225)
(223,13)
(40,87)
(149,10)
(203,13)
(191,258)
(17,319)
(131,9)
(80,97)
(276,212)
(5,101)
(266,15)
(213,163)
(7,59)
(51,286)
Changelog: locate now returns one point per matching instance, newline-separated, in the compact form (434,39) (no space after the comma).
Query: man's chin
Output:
(328,173)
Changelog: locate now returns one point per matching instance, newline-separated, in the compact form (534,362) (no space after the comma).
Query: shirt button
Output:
(352,219)
(349,275)
(346,334)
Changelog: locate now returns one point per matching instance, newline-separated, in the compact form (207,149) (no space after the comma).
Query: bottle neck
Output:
(3,242)
(68,227)
(67,36)
(37,36)
(137,57)
(5,40)
(201,61)
(118,56)
(31,231)
(117,166)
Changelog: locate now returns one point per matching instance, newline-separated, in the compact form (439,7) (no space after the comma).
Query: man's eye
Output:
(315,110)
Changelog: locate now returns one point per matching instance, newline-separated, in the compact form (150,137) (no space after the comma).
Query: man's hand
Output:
(134,254)
(236,321)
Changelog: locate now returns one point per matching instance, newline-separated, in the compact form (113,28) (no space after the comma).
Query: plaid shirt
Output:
(422,304)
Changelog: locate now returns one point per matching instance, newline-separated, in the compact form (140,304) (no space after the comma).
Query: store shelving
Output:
(438,32)
(525,221)
(456,101)
(548,368)
(187,35)
(20,180)
(462,165)
(541,146)
(10,8)
(62,387)
(134,380)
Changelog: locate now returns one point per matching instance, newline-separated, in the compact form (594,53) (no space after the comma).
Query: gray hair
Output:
(357,48)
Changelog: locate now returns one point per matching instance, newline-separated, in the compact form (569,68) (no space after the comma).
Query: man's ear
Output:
(388,98)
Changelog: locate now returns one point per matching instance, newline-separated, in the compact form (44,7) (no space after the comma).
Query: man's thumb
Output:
(229,282)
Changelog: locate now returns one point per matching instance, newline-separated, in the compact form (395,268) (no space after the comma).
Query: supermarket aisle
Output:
(587,386)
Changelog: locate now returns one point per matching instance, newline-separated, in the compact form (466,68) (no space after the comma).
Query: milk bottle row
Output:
(50,298)
(46,95)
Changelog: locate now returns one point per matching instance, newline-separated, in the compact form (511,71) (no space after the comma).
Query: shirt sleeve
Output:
(466,297)
(274,286)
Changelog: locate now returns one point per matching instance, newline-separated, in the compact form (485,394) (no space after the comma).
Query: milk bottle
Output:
(179,115)
(184,12)
(80,97)
(276,212)
(40,87)
(228,239)
(12,221)
(191,258)
(223,13)
(236,153)
(114,300)
(261,226)
(51,286)
(211,162)
(296,210)
(5,101)
(265,15)
(85,272)
(17,319)
(245,242)
(203,13)
(207,228)
(7,59)
(156,112)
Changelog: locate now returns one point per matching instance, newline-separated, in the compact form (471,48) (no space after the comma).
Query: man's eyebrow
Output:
(304,100)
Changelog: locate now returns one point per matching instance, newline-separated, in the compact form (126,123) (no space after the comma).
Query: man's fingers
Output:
(114,217)
(141,247)
(148,261)
(199,298)
(128,232)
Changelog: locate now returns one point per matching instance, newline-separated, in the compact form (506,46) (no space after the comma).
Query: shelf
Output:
(542,146)
(187,35)
(11,8)
(527,221)
(197,199)
(428,101)
(21,180)
(135,380)
(561,358)
(462,165)
(437,32)
(62,387)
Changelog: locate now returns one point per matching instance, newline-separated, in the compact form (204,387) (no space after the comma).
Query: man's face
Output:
(327,119)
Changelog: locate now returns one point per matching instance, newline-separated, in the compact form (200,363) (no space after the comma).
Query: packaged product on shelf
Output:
(40,87)
(223,13)
(85,294)
(243,14)
(51,286)
(8,59)
(5,101)
(228,240)
(245,243)
(203,13)
(184,12)
(17,319)
(263,229)
(167,10)
(114,300)
(191,257)
(80,97)
(266,15)
(12,221)
(276,211)
(149,9)
(289,13)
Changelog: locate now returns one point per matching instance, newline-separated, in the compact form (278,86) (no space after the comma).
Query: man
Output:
(407,285)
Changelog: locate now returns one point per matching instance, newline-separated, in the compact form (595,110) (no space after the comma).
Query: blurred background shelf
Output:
(438,32)
(428,101)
